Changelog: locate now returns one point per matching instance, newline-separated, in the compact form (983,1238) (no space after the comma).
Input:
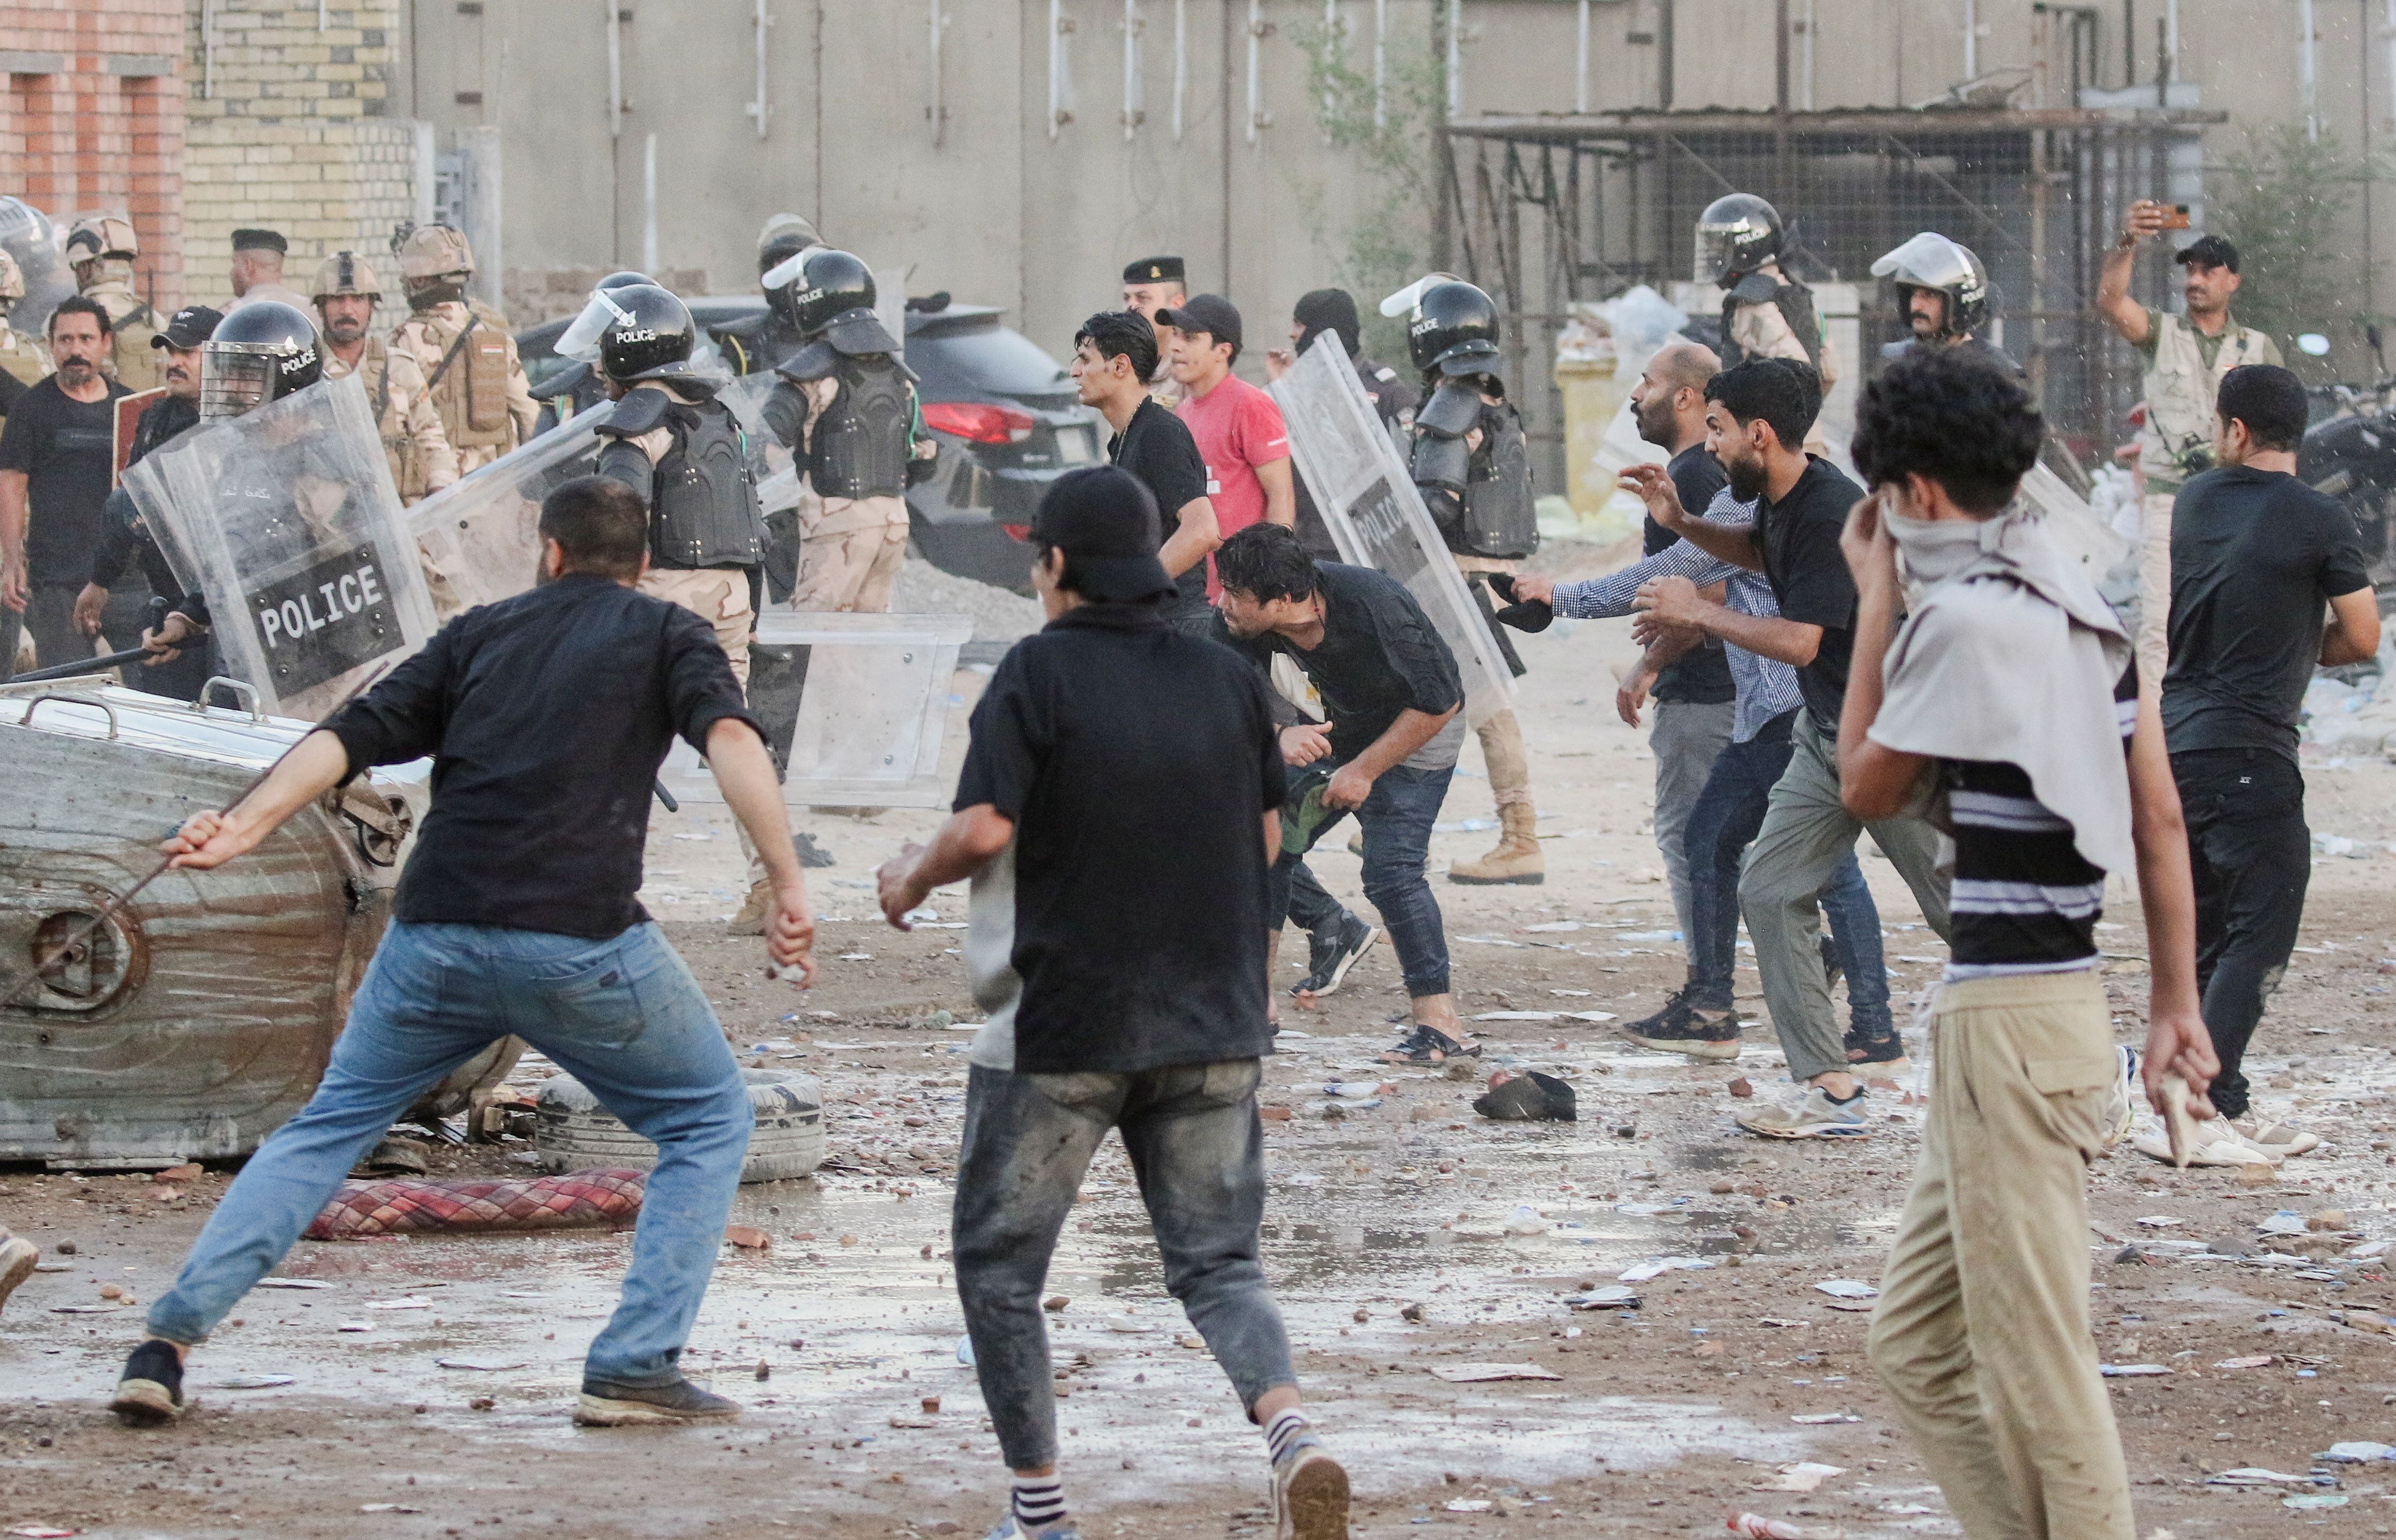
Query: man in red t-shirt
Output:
(1238,429)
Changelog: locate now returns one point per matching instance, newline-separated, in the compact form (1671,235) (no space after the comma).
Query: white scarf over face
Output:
(2009,654)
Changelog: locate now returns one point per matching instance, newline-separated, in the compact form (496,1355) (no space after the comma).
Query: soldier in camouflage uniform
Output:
(346,292)
(101,251)
(464,348)
(24,360)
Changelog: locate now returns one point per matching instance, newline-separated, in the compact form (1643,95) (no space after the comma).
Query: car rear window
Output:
(993,357)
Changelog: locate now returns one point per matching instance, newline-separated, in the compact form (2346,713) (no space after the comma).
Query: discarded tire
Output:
(575,1132)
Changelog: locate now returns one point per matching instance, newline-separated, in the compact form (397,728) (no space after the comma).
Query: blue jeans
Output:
(622,1015)
(1198,1150)
(1722,825)
(1396,819)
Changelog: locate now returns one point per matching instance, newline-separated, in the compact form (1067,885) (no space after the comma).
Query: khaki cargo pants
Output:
(850,570)
(1981,1333)
(717,595)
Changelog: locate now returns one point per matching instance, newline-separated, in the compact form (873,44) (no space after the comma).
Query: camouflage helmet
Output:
(12,279)
(98,235)
(346,273)
(433,252)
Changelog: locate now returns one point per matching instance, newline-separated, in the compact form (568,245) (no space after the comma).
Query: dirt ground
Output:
(1406,1237)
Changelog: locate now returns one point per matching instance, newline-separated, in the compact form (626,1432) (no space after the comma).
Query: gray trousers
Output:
(1686,740)
(1806,834)
(1198,1152)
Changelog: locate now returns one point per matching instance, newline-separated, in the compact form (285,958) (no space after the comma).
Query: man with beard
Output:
(55,455)
(116,619)
(1757,417)
(347,290)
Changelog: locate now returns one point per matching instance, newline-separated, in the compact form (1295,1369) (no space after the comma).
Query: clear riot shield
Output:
(479,537)
(855,707)
(778,479)
(33,238)
(287,521)
(1378,519)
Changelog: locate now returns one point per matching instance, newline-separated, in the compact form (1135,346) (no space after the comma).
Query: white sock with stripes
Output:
(1287,1430)
(1039,1502)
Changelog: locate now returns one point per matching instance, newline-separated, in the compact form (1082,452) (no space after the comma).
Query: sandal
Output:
(1428,1044)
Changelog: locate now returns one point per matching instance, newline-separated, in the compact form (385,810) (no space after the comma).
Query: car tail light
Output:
(981,421)
(1021,532)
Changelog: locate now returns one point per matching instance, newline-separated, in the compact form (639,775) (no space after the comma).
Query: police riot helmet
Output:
(783,237)
(1453,329)
(648,333)
(818,285)
(1737,233)
(258,352)
(1932,262)
(579,340)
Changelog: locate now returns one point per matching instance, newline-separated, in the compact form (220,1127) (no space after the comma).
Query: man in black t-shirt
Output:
(1124,977)
(2255,554)
(1114,354)
(55,469)
(1758,415)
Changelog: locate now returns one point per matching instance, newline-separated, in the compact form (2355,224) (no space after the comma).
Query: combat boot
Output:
(1517,857)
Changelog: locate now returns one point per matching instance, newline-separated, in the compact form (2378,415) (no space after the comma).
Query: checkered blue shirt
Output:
(1765,687)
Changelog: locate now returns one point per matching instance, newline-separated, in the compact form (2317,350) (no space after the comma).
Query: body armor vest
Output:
(471,393)
(859,445)
(704,509)
(1499,518)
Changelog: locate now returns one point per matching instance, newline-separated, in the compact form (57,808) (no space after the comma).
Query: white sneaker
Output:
(1812,1115)
(2275,1139)
(2122,1107)
(2210,1143)
(18,1257)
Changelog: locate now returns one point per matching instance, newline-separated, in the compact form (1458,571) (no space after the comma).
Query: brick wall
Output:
(91,119)
(291,129)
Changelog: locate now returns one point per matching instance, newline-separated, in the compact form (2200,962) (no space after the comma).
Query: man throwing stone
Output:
(548,715)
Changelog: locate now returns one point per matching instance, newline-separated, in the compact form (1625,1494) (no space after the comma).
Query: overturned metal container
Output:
(199,1019)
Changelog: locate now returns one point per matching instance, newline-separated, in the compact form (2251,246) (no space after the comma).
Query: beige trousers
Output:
(850,571)
(1981,1333)
(2154,587)
(719,596)
(1509,762)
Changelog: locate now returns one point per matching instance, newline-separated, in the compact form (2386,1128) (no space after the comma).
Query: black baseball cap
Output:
(1104,519)
(1154,270)
(2208,251)
(191,327)
(1211,314)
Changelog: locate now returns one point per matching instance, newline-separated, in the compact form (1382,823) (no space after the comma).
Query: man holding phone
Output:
(2186,358)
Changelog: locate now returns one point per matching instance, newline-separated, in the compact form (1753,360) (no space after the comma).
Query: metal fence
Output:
(1542,211)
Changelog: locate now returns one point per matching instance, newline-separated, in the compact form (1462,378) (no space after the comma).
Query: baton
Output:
(118,900)
(100,662)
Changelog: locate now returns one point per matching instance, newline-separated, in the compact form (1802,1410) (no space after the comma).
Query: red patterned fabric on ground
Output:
(611,1198)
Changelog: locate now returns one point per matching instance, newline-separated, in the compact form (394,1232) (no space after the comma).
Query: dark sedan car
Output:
(1006,413)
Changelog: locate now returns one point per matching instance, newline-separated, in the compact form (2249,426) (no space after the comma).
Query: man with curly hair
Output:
(2009,699)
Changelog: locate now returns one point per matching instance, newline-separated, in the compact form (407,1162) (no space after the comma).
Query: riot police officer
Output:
(1765,312)
(845,408)
(24,360)
(260,353)
(346,292)
(669,439)
(578,388)
(1471,459)
(756,345)
(101,251)
(464,348)
(1942,296)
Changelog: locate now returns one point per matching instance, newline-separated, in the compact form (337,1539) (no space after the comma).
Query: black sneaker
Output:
(1331,951)
(149,1392)
(1883,1052)
(1681,1027)
(608,1405)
